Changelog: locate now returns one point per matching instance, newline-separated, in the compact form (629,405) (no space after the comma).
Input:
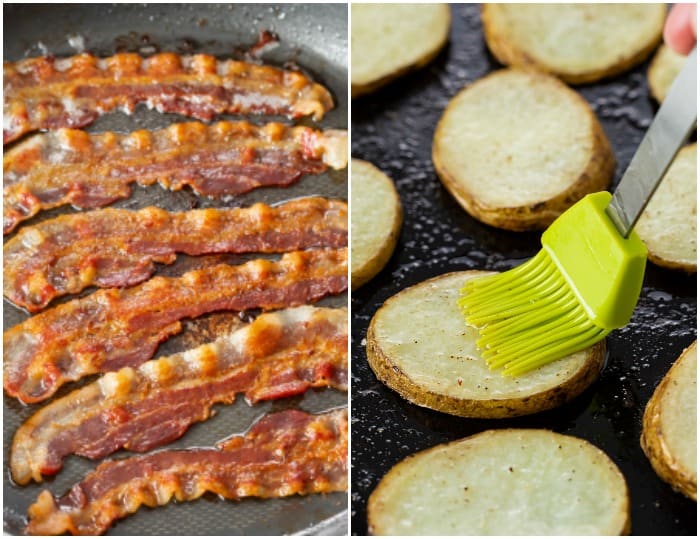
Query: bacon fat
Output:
(48,93)
(279,355)
(286,453)
(115,328)
(86,170)
(69,253)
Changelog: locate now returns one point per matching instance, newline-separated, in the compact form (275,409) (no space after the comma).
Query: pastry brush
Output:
(586,280)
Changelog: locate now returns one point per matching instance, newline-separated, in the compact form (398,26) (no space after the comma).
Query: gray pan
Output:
(314,37)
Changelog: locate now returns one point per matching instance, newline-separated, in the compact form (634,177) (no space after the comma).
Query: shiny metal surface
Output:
(668,132)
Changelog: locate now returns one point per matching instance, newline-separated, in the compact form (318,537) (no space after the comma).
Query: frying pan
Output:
(393,129)
(313,37)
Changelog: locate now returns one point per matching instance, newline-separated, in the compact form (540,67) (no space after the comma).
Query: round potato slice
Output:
(388,40)
(668,225)
(517,148)
(375,221)
(669,437)
(663,70)
(577,42)
(503,482)
(419,345)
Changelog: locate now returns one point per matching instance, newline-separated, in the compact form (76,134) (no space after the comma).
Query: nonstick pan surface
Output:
(393,129)
(314,37)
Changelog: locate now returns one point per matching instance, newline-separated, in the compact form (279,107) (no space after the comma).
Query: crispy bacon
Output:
(48,93)
(115,328)
(71,252)
(279,355)
(70,166)
(286,453)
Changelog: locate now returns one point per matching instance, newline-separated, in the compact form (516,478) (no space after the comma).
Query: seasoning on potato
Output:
(669,437)
(517,148)
(419,345)
(389,40)
(375,217)
(668,226)
(503,482)
(579,43)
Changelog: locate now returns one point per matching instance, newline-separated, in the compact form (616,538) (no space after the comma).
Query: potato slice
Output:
(419,345)
(388,40)
(663,70)
(668,225)
(577,42)
(375,221)
(517,148)
(503,482)
(669,437)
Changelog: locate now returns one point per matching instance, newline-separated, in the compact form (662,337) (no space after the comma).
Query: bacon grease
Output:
(115,328)
(86,170)
(48,93)
(286,453)
(280,354)
(69,253)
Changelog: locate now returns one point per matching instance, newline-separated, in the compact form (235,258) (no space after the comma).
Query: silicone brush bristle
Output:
(583,284)
(527,316)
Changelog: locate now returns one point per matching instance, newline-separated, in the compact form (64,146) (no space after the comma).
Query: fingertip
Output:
(679,30)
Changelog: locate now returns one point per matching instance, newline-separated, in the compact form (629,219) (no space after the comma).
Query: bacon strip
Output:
(115,328)
(47,93)
(69,253)
(279,355)
(286,453)
(70,166)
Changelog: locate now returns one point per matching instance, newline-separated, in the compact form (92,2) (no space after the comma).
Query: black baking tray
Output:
(393,128)
(312,37)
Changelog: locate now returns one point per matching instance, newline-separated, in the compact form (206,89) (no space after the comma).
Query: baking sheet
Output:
(313,37)
(393,129)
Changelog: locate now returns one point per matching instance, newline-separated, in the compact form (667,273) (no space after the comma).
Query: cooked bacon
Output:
(70,166)
(286,453)
(48,93)
(115,328)
(69,253)
(279,355)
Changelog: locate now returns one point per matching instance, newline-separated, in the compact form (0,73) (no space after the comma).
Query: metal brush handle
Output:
(668,132)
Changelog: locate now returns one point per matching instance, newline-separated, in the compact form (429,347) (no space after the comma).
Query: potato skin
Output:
(508,54)
(380,259)
(382,255)
(671,264)
(655,256)
(357,89)
(391,375)
(596,176)
(661,70)
(374,507)
(654,444)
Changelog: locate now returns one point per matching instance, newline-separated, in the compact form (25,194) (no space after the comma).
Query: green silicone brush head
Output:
(584,283)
